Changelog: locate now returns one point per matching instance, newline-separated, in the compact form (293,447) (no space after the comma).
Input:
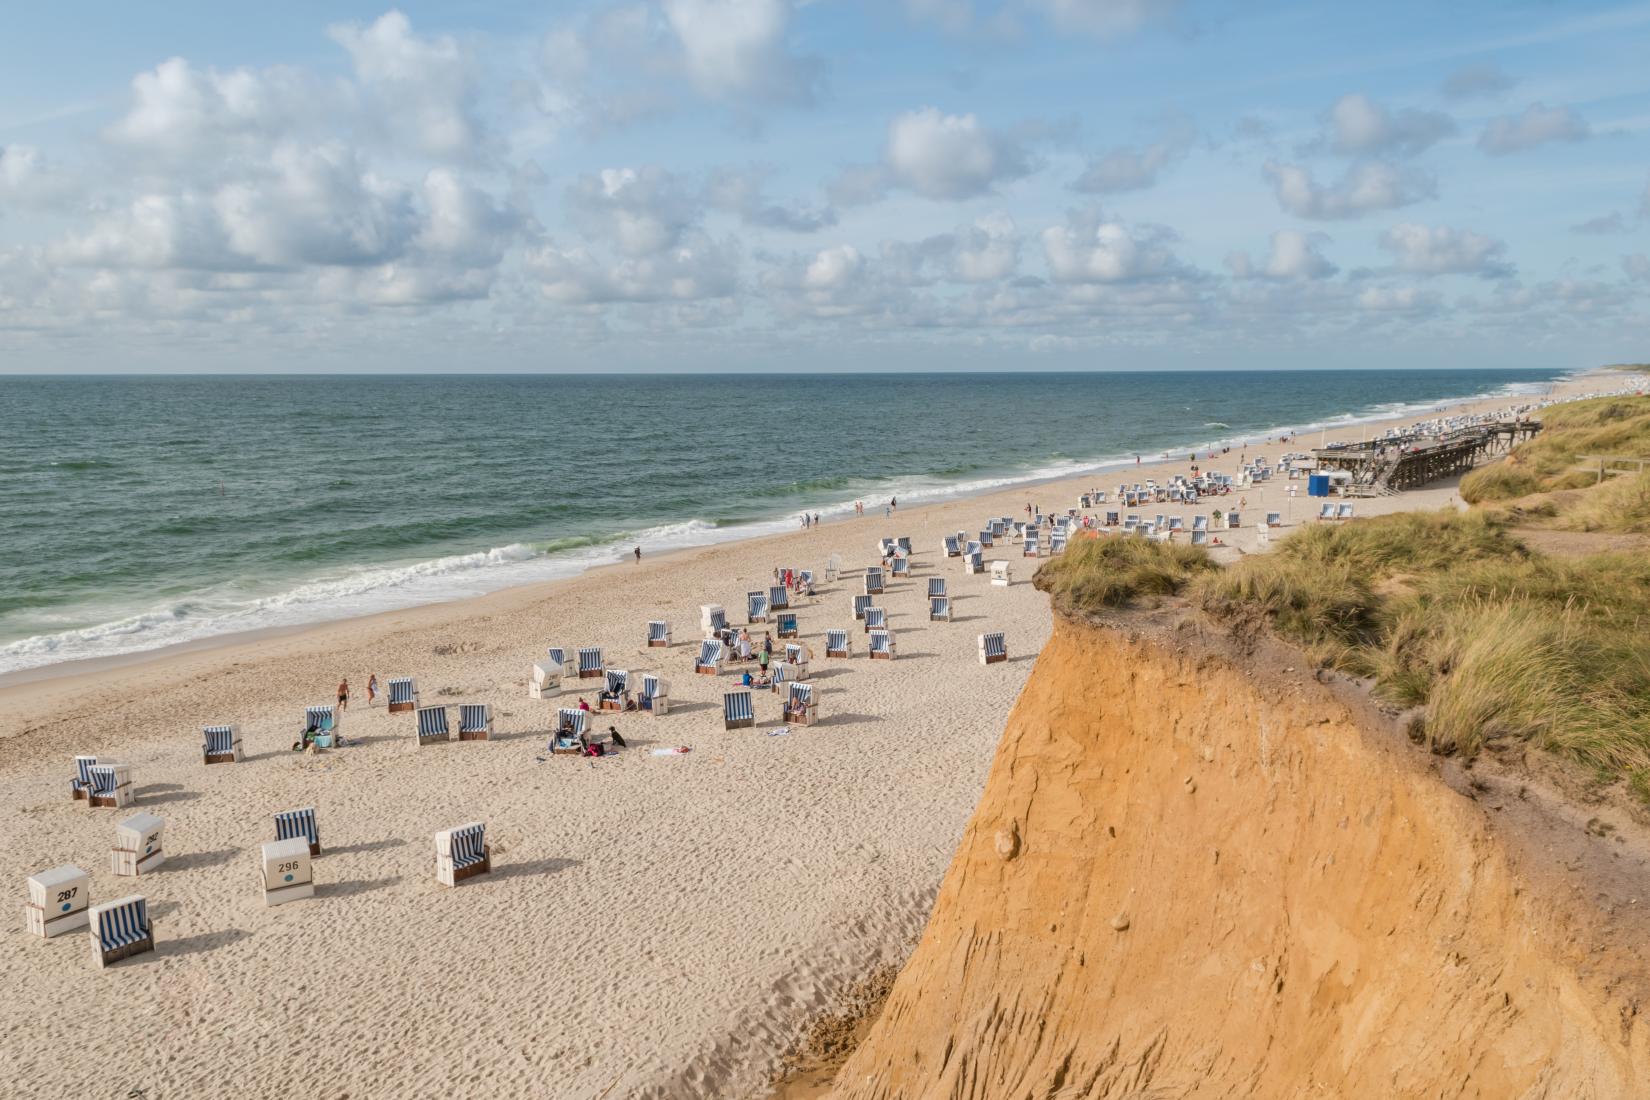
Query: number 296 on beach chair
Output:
(288,874)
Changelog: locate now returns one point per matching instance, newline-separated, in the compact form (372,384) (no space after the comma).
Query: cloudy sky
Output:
(777,185)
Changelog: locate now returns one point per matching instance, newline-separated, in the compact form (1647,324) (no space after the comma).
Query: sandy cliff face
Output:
(1188,879)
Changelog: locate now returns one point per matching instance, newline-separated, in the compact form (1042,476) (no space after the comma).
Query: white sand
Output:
(668,923)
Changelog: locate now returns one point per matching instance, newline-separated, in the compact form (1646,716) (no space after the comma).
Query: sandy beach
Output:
(656,925)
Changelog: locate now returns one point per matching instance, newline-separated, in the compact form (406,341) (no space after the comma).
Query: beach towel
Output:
(677,751)
(782,731)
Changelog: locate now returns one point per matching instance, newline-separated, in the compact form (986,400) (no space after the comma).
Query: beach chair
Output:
(738,711)
(936,587)
(837,644)
(900,567)
(1274,519)
(1000,574)
(137,847)
(321,720)
(709,661)
(860,604)
(939,609)
(1176,523)
(58,901)
(998,527)
(886,547)
(712,619)
(780,674)
(1030,545)
(547,673)
(432,725)
(462,853)
(882,645)
(796,656)
(1233,521)
(590,663)
(1200,537)
(785,625)
(993,648)
(121,929)
(618,682)
(873,581)
(221,744)
(570,723)
(986,538)
(974,563)
(300,824)
(876,618)
(779,598)
(1144,531)
(971,548)
(475,722)
(658,634)
(403,695)
(1327,511)
(1057,542)
(1083,501)
(805,578)
(903,542)
(288,873)
(81,784)
(1200,523)
(951,547)
(833,566)
(1344,511)
(801,704)
(654,699)
(756,607)
(111,786)
(1130,522)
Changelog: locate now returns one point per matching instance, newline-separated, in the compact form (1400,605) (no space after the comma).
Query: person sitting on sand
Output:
(762,681)
(745,678)
(582,704)
(795,709)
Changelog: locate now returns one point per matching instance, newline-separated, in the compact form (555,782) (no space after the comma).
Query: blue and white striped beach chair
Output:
(1200,537)
(432,725)
(837,644)
(805,578)
(951,547)
(1112,519)
(658,634)
(998,527)
(1327,511)
(590,663)
(1029,547)
(886,547)
(900,567)
(785,624)
(403,694)
(570,722)
(655,695)
(738,710)
(882,645)
(974,563)
(779,674)
(81,784)
(1274,519)
(462,853)
(1344,511)
(1233,521)
(860,604)
(712,619)
(1200,523)
(111,786)
(993,648)
(939,609)
(801,704)
(756,607)
(221,744)
(936,587)
(290,824)
(873,581)
(986,537)
(320,720)
(779,597)
(1057,542)
(796,655)
(614,687)
(876,618)
(709,662)
(904,543)
(1176,523)
(475,722)
(121,929)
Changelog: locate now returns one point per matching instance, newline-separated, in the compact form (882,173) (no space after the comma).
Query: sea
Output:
(145,511)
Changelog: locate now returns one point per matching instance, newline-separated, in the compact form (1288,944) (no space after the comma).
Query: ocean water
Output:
(140,512)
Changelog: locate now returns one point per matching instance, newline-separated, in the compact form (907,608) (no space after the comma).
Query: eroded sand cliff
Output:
(1193,875)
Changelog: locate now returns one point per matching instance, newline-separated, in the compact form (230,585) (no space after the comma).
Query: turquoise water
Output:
(146,511)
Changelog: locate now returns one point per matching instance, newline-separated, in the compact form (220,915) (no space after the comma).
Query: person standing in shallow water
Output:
(638,555)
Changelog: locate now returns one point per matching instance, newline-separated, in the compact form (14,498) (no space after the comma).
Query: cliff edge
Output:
(1195,873)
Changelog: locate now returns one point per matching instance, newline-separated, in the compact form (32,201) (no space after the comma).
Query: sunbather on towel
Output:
(582,704)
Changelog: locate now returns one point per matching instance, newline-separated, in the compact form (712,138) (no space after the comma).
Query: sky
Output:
(784,185)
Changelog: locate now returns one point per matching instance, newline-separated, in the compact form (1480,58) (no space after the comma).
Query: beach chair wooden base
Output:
(882,656)
(612,705)
(787,633)
(836,652)
(434,739)
(738,723)
(707,670)
(121,797)
(78,794)
(222,757)
(474,735)
(448,875)
(39,924)
(806,718)
(940,618)
(298,891)
(658,643)
(403,708)
(114,955)
(873,590)
(128,863)
(998,659)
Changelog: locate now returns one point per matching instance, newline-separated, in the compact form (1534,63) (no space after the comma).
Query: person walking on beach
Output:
(638,555)
(343,695)
(372,688)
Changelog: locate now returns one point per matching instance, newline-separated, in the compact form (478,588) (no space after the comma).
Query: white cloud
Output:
(986,251)
(177,108)
(1538,124)
(1105,18)
(1481,79)
(1441,250)
(1366,187)
(1360,126)
(1294,257)
(737,48)
(1133,169)
(693,269)
(1090,249)
(423,89)
(830,284)
(1405,299)
(29,181)
(944,156)
(641,211)
(740,193)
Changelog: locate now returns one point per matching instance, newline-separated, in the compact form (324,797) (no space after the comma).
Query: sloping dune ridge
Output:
(1194,873)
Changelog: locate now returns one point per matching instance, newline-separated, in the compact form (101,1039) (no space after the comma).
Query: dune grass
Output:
(1611,426)
(1104,574)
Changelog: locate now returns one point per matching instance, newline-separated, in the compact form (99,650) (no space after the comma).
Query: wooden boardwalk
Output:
(1410,461)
